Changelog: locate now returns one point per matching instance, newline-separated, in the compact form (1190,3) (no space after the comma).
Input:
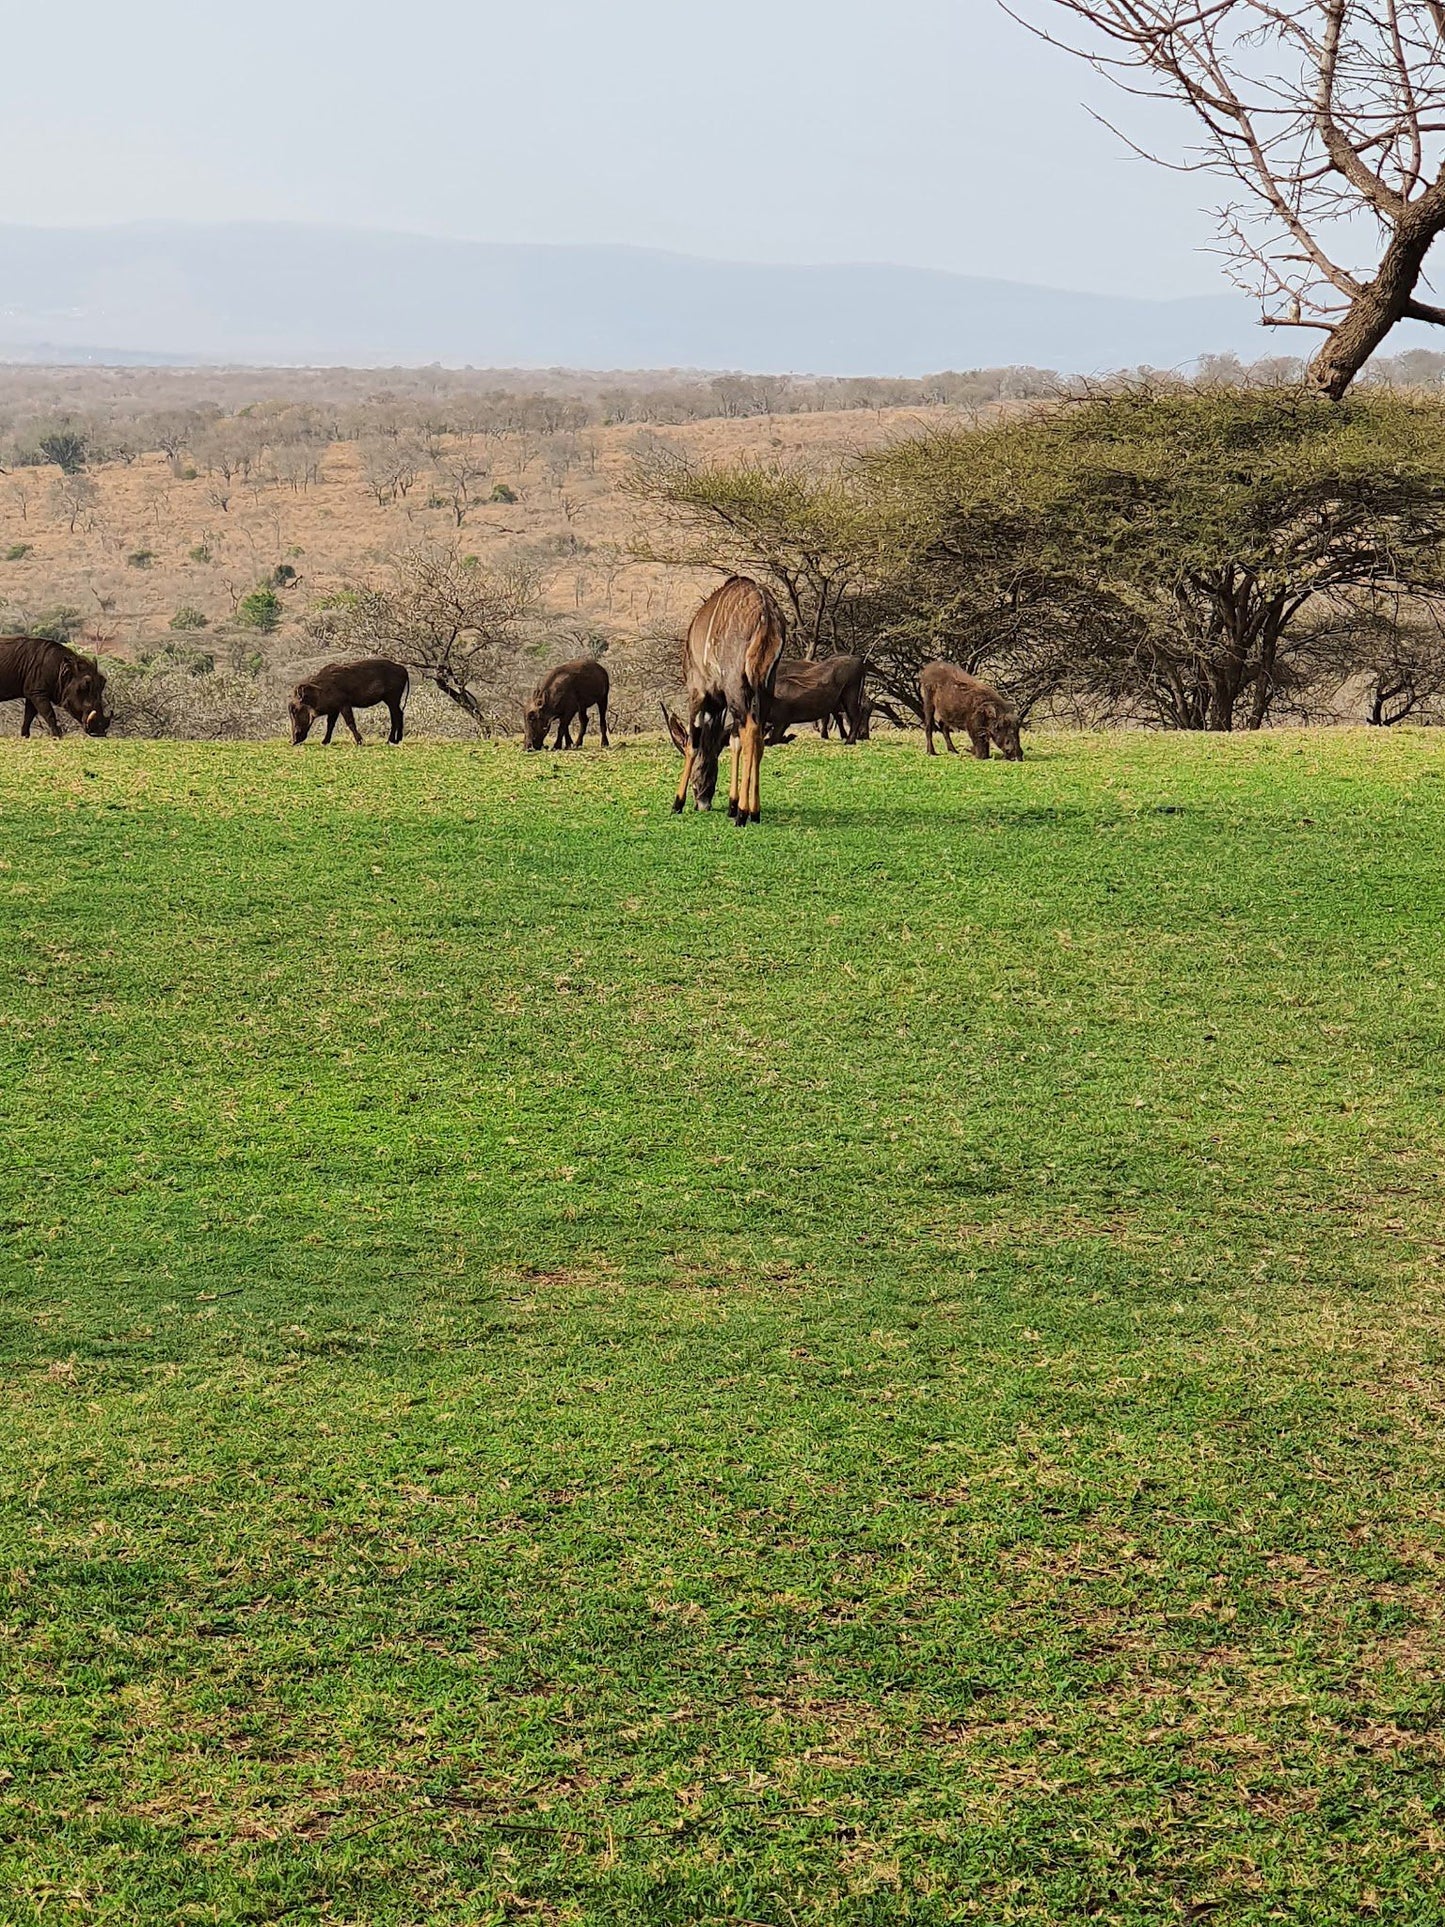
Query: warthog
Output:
(952,699)
(567,691)
(340,688)
(819,692)
(41,674)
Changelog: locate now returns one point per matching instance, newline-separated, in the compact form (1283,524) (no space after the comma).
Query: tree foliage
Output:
(808,532)
(261,610)
(1191,559)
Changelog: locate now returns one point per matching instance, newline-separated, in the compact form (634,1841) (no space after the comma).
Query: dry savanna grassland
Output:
(156,555)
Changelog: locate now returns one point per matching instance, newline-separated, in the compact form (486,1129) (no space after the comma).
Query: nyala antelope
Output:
(729,661)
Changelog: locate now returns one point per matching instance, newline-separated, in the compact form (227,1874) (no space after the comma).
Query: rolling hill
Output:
(269,293)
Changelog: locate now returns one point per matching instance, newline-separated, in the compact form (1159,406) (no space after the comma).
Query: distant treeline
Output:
(74,416)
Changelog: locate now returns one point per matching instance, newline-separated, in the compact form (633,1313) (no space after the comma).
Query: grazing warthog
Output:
(340,688)
(952,699)
(819,692)
(729,661)
(41,674)
(567,691)
(870,707)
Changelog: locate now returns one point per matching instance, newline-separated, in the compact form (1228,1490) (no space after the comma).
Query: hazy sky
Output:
(931,132)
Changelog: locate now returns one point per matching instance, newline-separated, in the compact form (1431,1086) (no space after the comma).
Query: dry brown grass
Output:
(154,542)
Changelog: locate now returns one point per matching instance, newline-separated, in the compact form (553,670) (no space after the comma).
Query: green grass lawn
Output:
(569,1364)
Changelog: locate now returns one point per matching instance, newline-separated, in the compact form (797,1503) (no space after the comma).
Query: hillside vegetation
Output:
(153,559)
(566,1364)
(1205,553)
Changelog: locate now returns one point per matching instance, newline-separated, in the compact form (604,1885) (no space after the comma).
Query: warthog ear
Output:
(676,730)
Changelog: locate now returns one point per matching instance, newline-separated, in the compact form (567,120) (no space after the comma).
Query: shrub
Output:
(179,699)
(200,553)
(282,576)
(16,550)
(261,610)
(175,655)
(58,624)
(188,618)
(456,623)
(140,558)
(564,543)
(66,447)
(501,493)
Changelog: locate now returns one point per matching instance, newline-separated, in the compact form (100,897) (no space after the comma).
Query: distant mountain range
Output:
(270,293)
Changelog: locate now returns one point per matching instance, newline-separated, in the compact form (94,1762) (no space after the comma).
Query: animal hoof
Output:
(678,806)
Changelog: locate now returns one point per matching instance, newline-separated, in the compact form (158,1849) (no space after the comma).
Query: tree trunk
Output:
(1378,307)
(1271,628)
(457,691)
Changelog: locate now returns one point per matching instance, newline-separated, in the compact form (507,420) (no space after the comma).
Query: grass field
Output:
(567,1364)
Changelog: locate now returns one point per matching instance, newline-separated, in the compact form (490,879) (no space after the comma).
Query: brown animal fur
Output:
(952,699)
(819,692)
(41,673)
(565,693)
(729,662)
(340,688)
(705,764)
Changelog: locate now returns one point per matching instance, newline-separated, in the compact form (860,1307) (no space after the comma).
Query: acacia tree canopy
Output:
(1172,554)
(805,529)
(1235,528)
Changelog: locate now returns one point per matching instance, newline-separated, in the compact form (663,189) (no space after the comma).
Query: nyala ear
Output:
(675,729)
(306,693)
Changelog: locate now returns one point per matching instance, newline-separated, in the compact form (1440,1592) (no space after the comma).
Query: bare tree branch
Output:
(1329,115)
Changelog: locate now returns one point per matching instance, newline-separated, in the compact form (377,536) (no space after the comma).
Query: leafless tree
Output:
(72,495)
(228,449)
(1396,646)
(297,463)
(1328,119)
(172,430)
(157,498)
(459,466)
(440,613)
(390,464)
